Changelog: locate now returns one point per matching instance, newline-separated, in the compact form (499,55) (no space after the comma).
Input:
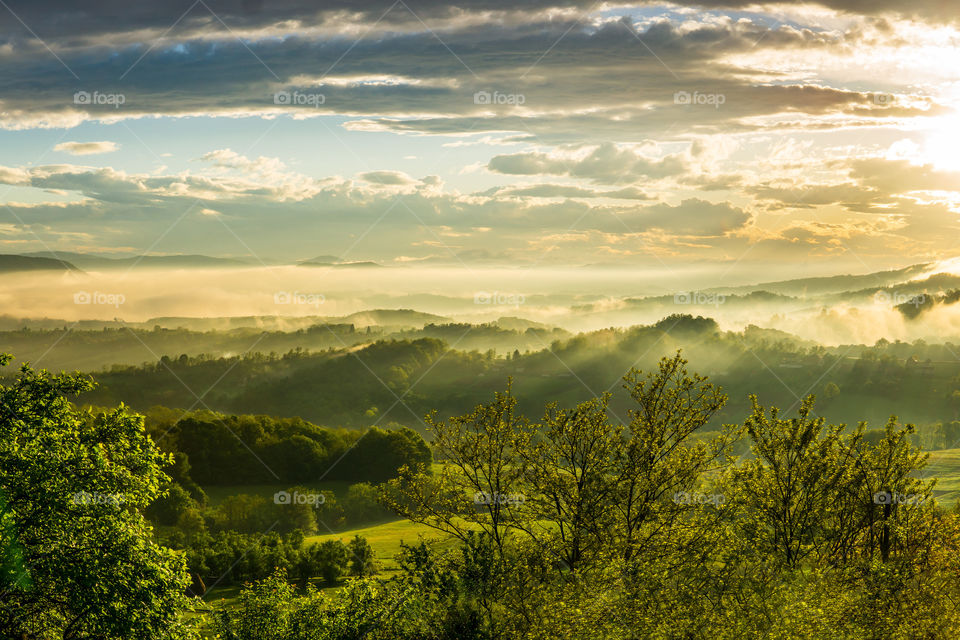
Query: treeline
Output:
(116,347)
(246,449)
(189,511)
(230,558)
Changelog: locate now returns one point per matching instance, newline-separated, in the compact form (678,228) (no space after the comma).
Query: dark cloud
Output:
(427,85)
(65,23)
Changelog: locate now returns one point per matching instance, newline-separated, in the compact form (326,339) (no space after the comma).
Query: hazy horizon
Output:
(574,299)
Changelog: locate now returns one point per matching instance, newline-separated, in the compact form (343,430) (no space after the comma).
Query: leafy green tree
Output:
(167,509)
(361,505)
(295,510)
(951,434)
(362,561)
(179,473)
(664,453)
(331,557)
(245,513)
(789,486)
(379,453)
(573,464)
(74,483)
(831,390)
(481,465)
(813,495)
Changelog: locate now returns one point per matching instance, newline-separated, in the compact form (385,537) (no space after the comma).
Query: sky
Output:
(755,139)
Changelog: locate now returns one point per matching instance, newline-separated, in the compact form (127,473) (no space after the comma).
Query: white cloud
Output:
(87,148)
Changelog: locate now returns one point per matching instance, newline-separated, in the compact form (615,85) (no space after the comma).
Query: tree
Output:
(831,391)
(815,496)
(167,509)
(663,454)
(378,454)
(951,434)
(74,483)
(482,465)
(361,504)
(331,557)
(296,510)
(574,466)
(361,557)
(789,486)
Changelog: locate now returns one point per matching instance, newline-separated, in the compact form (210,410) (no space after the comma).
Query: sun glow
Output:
(942,143)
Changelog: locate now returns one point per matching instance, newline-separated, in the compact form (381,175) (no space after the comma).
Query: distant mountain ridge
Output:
(93,261)
(833,284)
(340,265)
(10,263)
(360,319)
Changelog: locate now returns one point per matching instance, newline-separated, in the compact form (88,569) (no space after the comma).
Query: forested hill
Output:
(11,263)
(399,381)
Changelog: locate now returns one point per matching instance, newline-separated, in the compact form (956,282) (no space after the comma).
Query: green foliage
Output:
(378,454)
(619,516)
(213,448)
(362,563)
(651,530)
(361,505)
(332,557)
(576,483)
(73,484)
(230,558)
(363,610)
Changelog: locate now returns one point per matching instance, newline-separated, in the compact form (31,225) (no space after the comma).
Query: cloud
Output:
(387,178)
(428,90)
(607,158)
(694,217)
(86,148)
(606,164)
(569,191)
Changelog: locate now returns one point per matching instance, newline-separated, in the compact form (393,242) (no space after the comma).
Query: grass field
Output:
(385,539)
(944,465)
